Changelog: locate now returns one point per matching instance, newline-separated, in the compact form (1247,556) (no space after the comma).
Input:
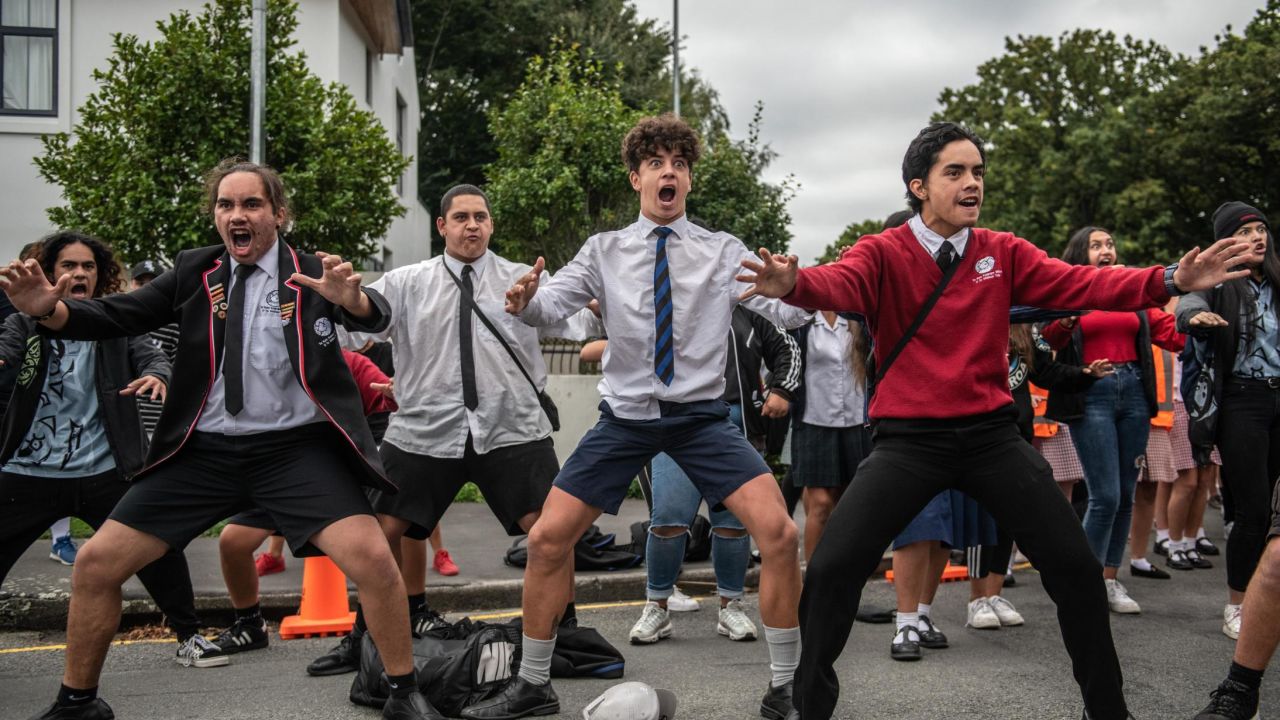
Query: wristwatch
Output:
(1169,287)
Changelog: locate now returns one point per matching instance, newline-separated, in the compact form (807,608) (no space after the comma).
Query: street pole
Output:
(675,55)
(257,79)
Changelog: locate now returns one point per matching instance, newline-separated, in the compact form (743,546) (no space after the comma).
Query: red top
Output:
(365,372)
(956,364)
(1114,335)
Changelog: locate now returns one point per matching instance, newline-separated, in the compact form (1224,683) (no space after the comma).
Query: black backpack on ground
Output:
(594,551)
(698,547)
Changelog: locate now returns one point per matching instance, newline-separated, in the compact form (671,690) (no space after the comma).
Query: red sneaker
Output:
(268,564)
(444,564)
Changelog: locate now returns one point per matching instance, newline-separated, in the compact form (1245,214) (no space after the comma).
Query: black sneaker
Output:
(196,651)
(425,620)
(343,658)
(930,636)
(1231,701)
(1198,561)
(776,703)
(1206,547)
(1178,561)
(245,634)
(96,710)
(520,698)
(906,645)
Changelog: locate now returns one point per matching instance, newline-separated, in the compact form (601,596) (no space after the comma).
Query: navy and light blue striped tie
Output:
(664,350)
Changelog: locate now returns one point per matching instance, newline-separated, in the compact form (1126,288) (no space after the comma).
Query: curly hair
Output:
(663,132)
(109,271)
(922,154)
(271,182)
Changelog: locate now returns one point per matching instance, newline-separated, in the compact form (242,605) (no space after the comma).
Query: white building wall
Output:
(84,44)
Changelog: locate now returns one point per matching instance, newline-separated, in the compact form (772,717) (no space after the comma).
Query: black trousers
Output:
(984,456)
(28,505)
(1250,445)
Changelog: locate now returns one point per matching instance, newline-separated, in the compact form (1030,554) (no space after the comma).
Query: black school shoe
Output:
(1161,548)
(931,637)
(1154,573)
(520,698)
(776,703)
(1178,561)
(96,710)
(343,658)
(1206,547)
(410,707)
(906,645)
(1198,561)
(1231,701)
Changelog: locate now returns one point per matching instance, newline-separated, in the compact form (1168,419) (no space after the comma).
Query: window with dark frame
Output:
(29,57)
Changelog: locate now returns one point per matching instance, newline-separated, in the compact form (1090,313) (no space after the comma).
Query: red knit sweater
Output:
(1111,335)
(956,364)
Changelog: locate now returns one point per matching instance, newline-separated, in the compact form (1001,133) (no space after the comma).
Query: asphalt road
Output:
(1173,655)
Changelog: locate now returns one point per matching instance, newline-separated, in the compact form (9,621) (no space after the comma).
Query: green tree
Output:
(1062,144)
(850,235)
(472,57)
(167,111)
(730,195)
(558,177)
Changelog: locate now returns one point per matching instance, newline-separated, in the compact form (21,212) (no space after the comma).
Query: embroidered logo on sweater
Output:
(986,269)
(324,329)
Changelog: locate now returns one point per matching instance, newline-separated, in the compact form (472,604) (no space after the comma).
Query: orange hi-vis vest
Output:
(1041,426)
(1164,388)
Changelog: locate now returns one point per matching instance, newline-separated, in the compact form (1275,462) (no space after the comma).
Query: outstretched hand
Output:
(148,386)
(1221,261)
(774,276)
(522,292)
(28,288)
(339,283)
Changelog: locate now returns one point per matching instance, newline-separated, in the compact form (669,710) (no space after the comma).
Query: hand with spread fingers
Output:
(1207,319)
(522,292)
(339,284)
(147,386)
(1221,261)
(30,290)
(774,276)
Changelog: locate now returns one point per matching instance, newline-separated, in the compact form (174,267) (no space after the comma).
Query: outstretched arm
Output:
(538,300)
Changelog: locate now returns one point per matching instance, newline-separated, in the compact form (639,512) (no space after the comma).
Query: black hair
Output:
(922,153)
(1077,250)
(898,218)
(446,202)
(272,184)
(108,269)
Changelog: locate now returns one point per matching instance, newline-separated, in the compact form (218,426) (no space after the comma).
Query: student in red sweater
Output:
(1110,421)
(942,413)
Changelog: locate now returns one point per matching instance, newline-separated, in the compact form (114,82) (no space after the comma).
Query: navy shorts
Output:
(698,436)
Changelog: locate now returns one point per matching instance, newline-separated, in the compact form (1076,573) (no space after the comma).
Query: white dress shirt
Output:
(273,397)
(432,419)
(932,241)
(616,268)
(833,397)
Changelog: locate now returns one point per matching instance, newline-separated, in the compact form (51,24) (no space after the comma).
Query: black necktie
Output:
(233,343)
(464,336)
(946,255)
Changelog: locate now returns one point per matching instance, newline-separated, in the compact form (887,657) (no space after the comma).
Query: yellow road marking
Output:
(39,648)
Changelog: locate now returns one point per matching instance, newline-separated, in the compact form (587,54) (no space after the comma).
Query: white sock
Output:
(1233,608)
(1200,533)
(925,609)
(784,653)
(535,659)
(1141,563)
(1184,544)
(910,620)
(1162,534)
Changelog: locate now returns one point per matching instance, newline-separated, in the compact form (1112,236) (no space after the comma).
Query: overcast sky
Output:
(847,83)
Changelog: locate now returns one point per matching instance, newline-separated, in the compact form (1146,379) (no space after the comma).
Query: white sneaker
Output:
(1231,621)
(734,623)
(982,616)
(1119,600)
(654,624)
(679,602)
(1008,614)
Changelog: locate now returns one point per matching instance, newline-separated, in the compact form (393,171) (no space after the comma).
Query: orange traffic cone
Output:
(325,610)
(949,574)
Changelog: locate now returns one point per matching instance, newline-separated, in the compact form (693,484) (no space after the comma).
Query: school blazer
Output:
(193,294)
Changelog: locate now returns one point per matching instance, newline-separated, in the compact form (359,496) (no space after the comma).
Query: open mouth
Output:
(667,193)
(1260,248)
(241,238)
(1106,261)
(79,290)
(971,202)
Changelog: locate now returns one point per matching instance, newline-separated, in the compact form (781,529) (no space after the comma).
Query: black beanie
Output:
(1231,215)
